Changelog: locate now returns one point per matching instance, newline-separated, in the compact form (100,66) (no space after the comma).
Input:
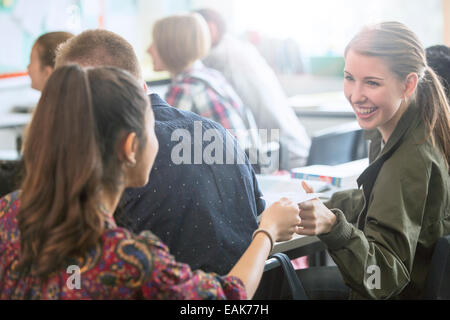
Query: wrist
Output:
(270,227)
(332,221)
(267,234)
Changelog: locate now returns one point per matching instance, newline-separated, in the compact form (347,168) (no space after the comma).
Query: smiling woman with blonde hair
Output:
(382,236)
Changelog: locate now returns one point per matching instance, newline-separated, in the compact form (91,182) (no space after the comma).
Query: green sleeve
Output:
(377,262)
(350,202)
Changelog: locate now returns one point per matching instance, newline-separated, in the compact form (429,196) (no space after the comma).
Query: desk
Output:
(11,126)
(14,120)
(322,104)
(12,95)
(299,246)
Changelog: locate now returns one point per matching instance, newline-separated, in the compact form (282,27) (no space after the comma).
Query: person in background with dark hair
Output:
(382,236)
(41,66)
(92,136)
(438,58)
(258,87)
(205,213)
(42,57)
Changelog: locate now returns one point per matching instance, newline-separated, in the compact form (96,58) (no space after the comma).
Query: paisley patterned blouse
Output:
(121,266)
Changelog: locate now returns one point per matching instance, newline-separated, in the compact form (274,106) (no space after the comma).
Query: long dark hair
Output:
(402,51)
(70,155)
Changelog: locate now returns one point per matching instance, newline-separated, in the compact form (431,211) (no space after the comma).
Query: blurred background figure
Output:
(258,87)
(41,66)
(179,42)
(42,57)
(438,58)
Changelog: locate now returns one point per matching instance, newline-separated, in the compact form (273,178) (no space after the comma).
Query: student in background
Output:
(179,42)
(382,236)
(62,219)
(42,57)
(42,63)
(438,58)
(257,85)
(205,213)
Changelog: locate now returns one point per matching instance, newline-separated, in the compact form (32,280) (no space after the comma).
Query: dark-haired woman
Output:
(92,135)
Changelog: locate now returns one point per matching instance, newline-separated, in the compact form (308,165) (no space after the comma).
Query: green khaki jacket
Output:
(385,231)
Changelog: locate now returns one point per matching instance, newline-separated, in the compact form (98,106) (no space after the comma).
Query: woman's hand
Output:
(316,218)
(281,219)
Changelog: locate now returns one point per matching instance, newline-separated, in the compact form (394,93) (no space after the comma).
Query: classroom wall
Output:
(136,24)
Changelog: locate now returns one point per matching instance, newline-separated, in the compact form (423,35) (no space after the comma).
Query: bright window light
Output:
(325,26)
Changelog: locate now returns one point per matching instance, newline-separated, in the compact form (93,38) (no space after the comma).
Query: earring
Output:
(131,163)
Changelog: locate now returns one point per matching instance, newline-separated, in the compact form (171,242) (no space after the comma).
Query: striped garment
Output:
(205,92)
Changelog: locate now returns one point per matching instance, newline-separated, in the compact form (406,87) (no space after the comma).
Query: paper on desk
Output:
(276,187)
(295,197)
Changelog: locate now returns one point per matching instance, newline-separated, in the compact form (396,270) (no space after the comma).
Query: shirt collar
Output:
(197,65)
(157,101)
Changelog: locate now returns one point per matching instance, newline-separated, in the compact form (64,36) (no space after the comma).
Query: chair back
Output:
(437,286)
(10,176)
(337,145)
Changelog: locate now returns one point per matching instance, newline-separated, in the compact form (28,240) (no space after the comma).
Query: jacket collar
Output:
(407,122)
(367,179)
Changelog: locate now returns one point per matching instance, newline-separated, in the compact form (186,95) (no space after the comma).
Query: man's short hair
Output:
(438,58)
(99,47)
(181,39)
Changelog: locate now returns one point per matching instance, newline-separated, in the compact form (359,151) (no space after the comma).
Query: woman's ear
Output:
(129,149)
(411,82)
(47,72)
